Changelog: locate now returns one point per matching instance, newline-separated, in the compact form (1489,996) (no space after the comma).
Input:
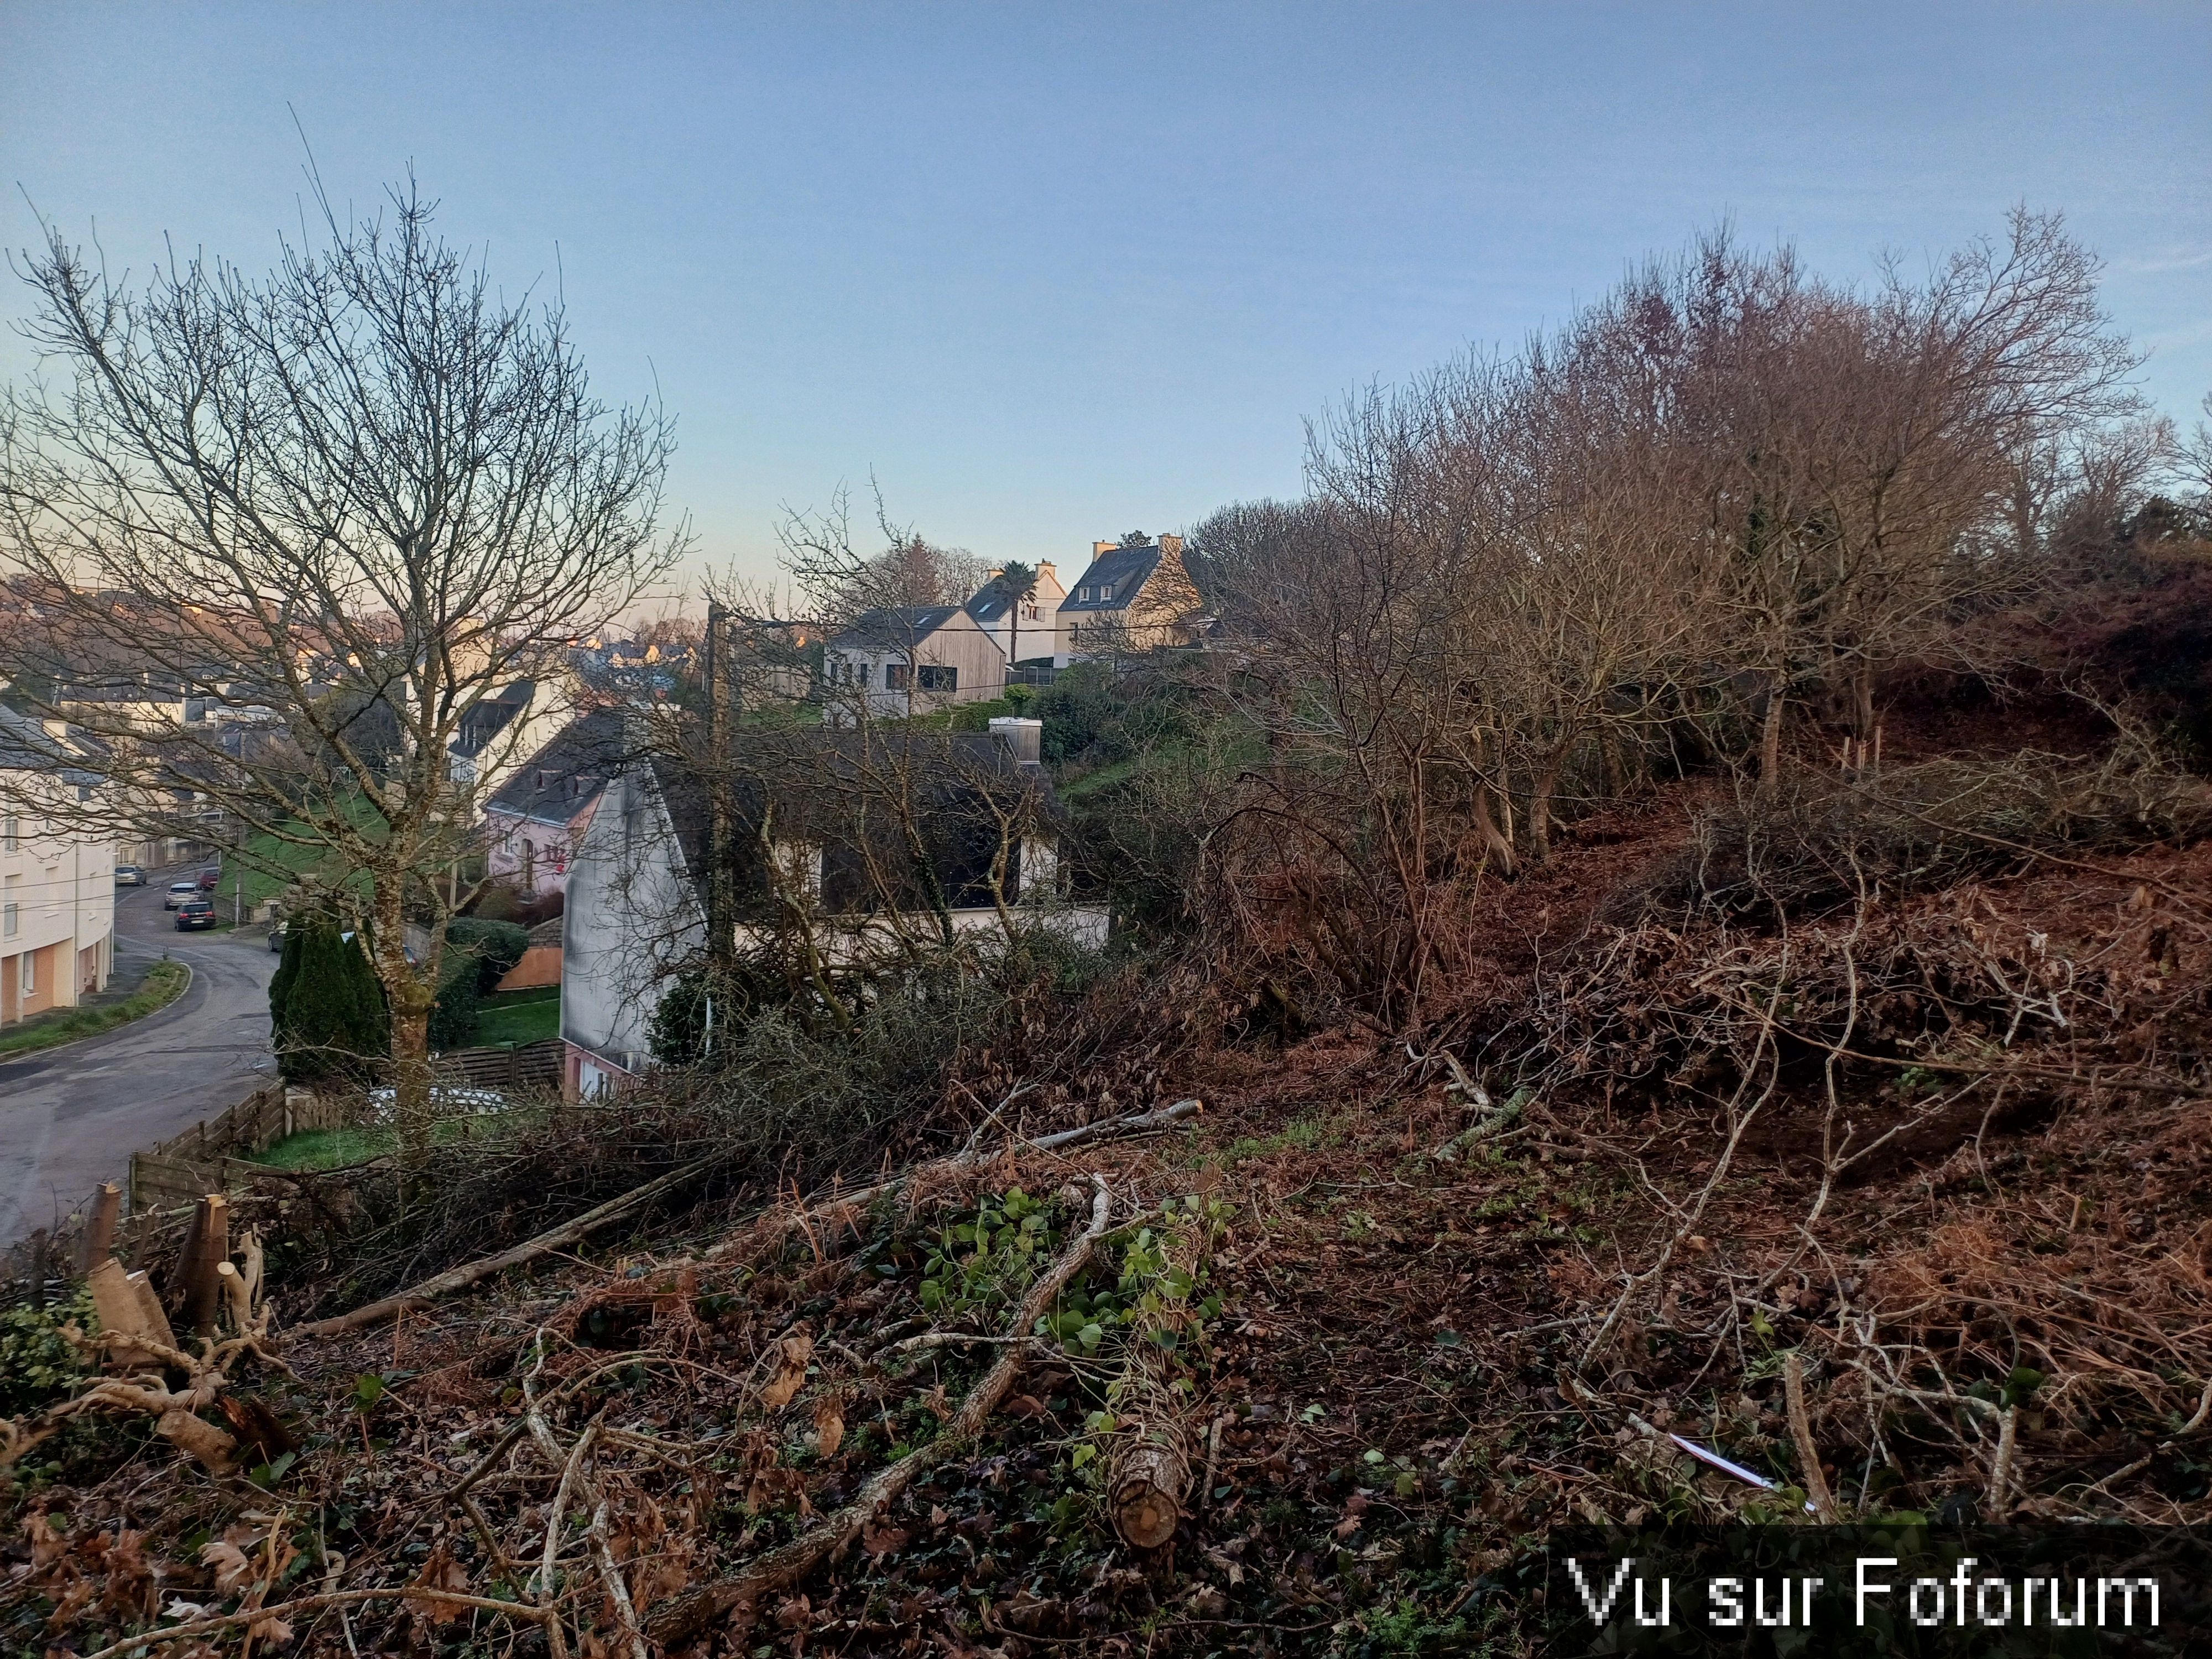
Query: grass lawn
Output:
(326,1149)
(165,982)
(273,864)
(336,1149)
(518,1016)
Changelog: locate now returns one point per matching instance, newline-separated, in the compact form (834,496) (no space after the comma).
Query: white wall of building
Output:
(57,905)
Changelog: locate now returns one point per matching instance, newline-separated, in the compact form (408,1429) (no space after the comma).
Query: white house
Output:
(816,866)
(1025,629)
(57,877)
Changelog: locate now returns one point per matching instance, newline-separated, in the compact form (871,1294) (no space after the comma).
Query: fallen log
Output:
(460,1278)
(695,1608)
(1149,1475)
(970,1157)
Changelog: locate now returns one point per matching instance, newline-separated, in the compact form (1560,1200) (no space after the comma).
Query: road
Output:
(71,1118)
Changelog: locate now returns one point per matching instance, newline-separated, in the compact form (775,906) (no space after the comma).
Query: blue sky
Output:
(1054,273)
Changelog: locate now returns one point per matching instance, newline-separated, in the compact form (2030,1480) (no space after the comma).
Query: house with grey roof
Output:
(1023,630)
(839,857)
(912,659)
(536,819)
(1135,597)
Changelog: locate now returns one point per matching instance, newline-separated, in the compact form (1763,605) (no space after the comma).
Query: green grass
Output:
(337,1149)
(326,1149)
(273,864)
(518,1016)
(165,983)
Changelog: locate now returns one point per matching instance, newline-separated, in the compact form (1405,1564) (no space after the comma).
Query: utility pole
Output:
(721,922)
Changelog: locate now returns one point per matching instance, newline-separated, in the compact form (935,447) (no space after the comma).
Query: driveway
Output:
(71,1118)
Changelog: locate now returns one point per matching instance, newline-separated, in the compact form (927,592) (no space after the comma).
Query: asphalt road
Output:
(71,1118)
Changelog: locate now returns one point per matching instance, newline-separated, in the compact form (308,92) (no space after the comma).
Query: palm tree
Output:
(1018,583)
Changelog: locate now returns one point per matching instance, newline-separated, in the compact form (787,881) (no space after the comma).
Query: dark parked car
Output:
(129,875)
(276,936)
(196,913)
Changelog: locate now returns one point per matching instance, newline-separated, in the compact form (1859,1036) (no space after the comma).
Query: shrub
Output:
(37,1364)
(1820,837)
(494,945)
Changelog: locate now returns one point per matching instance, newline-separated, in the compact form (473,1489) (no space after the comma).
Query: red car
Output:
(210,877)
(196,913)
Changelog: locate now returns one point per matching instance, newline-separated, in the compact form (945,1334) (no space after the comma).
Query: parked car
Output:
(447,1100)
(129,875)
(178,892)
(210,877)
(196,913)
(275,937)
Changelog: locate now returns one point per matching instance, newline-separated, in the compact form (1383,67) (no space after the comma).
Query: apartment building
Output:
(57,875)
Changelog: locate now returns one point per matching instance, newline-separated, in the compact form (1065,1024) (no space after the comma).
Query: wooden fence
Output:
(509,1065)
(217,1155)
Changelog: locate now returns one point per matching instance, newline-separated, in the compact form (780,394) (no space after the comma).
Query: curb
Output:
(43,1049)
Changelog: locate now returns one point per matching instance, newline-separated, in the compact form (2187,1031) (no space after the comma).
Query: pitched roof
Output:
(1124,569)
(819,772)
(568,775)
(26,746)
(895,628)
(995,598)
(489,716)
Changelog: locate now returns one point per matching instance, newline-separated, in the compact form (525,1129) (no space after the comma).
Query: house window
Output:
(896,677)
(1106,591)
(9,831)
(1083,595)
(8,921)
(27,981)
(939,678)
(863,676)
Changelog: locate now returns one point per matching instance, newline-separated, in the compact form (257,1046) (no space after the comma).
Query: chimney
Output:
(1100,550)
(1171,546)
(1024,739)
(1045,572)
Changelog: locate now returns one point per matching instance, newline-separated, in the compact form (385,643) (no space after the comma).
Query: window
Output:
(10,828)
(863,676)
(1083,595)
(936,678)
(896,677)
(8,921)
(26,974)
(1106,591)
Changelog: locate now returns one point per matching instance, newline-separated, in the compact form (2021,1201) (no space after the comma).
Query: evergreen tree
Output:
(325,1008)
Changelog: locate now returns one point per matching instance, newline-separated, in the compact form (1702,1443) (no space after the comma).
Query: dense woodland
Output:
(1673,902)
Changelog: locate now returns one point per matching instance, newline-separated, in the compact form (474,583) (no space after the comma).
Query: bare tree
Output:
(328,515)
(1726,491)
